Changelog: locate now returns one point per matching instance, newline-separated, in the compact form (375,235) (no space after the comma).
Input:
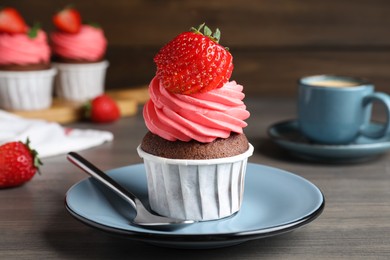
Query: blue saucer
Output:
(275,202)
(287,135)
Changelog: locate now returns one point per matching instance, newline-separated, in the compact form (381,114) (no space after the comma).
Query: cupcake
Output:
(195,152)
(26,78)
(78,54)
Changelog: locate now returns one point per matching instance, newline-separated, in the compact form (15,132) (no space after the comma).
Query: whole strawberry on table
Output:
(102,109)
(18,163)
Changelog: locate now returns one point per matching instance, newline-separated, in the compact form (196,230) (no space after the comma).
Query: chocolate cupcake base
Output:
(27,67)
(219,148)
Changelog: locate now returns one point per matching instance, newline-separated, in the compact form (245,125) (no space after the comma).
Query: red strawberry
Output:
(194,62)
(68,20)
(11,21)
(102,109)
(18,163)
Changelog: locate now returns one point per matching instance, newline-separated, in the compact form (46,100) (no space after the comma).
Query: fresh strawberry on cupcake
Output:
(79,55)
(26,76)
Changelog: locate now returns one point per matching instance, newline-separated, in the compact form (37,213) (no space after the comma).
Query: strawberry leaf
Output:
(217,35)
(197,30)
(87,108)
(207,32)
(34,154)
(95,25)
(33,32)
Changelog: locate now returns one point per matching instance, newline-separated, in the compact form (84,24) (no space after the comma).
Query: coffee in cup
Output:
(334,83)
(337,109)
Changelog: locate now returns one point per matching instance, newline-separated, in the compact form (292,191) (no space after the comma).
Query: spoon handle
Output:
(99,175)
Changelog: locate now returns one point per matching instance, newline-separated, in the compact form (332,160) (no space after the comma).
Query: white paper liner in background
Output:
(26,90)
(195,189)
(80,82)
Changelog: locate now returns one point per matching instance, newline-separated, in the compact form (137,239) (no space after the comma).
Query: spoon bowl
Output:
(144,217)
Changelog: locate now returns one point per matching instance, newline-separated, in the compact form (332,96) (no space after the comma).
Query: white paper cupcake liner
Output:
(195,189)
(80,82)
(26,90)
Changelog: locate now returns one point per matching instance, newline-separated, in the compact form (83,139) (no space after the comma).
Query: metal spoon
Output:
(143,217)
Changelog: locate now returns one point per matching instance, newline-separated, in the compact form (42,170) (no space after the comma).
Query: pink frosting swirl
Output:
(202,116)
(89,44)
(20,49)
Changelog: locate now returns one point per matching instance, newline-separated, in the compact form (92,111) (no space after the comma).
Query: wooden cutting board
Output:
(67,112)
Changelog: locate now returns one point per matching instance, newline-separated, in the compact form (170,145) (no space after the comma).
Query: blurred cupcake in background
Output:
(26,78)
(78,54)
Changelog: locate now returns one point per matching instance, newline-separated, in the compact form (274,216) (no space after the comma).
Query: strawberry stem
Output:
(33,32)
(87,108)
(95,25)
(34,154)
(216,36)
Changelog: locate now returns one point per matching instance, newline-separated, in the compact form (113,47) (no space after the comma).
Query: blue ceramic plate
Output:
(287,135)
(275,202)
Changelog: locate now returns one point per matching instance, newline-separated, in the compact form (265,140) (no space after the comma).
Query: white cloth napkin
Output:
(49,138)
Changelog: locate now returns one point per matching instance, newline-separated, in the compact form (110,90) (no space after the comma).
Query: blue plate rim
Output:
(166,237)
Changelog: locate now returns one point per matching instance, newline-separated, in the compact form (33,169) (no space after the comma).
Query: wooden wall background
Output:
(273,42)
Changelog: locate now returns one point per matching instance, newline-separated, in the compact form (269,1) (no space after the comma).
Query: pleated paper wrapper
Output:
(80,82)
(195,189)
(26,90)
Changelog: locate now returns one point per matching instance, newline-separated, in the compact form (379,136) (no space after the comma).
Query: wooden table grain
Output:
(355,223)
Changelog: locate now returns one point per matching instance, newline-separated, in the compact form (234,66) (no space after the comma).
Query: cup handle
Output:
(385,100)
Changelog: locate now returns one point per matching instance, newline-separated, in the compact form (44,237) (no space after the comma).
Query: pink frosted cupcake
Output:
(78,52)
(195,153)
(25,74)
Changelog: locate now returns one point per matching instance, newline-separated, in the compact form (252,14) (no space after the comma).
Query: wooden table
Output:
(355,223)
